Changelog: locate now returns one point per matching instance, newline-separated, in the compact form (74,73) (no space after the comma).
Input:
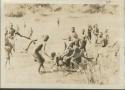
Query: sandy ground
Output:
(23,69)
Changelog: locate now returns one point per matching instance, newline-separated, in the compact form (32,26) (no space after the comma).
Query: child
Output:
(58,61)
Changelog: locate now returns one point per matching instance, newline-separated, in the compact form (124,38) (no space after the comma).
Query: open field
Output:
(23,69)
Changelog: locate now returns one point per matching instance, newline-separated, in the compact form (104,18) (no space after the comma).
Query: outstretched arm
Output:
(17,33)
(27,37)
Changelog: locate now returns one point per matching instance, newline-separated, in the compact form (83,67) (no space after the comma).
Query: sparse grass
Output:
(24,66)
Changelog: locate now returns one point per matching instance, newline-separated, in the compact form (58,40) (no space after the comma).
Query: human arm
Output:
(33,41)
(44,47)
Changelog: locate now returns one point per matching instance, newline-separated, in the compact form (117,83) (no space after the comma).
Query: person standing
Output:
(38,57)
(96,32)
(89,33)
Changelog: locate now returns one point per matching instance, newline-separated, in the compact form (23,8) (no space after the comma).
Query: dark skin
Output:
(9,46)
(67,54)
(83,43)
(78,58)
(89,32)
(40,58)
(96,33)
(8,49)
(33,41)
(14,32)
(57,59)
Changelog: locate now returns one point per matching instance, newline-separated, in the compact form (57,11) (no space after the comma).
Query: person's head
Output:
(90,27)
(53,54)
(73,29)
(46,37)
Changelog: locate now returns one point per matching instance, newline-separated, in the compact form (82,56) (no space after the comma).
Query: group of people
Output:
(75,47)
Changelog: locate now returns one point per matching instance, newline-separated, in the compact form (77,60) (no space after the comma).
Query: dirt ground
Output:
(23,69)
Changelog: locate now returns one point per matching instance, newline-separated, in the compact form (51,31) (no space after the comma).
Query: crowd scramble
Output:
(75,51)
(76,54)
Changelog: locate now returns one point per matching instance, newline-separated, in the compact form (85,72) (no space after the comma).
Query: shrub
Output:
(15,14)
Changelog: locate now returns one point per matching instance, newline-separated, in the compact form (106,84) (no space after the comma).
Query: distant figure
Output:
(83,43)
(9,42)
(67,42)
(74,35)
(8,50)
(106,38)
(89,33)
(83,40)
(9,39)
(38,57)
(83,33)
(11,31)
(58,22)
(96,32)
